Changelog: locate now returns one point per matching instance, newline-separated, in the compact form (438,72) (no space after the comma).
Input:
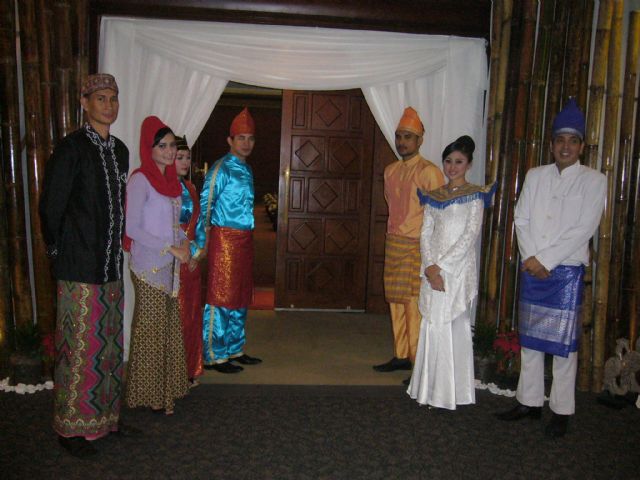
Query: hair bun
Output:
(468,142)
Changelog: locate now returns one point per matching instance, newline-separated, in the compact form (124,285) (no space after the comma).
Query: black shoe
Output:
(393,364)
(557,427)
(226,367)
(518,412)
(79,447)
(125,430)
(245,359)
(406,381)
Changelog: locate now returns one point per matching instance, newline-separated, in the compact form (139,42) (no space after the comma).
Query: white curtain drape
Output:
(177,70)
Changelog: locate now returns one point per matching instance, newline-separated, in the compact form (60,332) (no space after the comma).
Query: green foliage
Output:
(484,334)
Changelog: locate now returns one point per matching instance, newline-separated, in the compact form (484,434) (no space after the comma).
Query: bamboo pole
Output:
(633,226)
(81,53)
(594,115)
(539,84)
(634,300)
(500,34)
(608,168)
(556,66)
(12,230)
(44,17)
(64,71)
(12,165)
(44,286)
(496,32)
(635,243)
(573,54)
(493,265)
(615,318)
(588,10)
(503,66)
(510,267)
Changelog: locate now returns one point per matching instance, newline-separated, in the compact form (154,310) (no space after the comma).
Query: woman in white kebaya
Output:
(443,373)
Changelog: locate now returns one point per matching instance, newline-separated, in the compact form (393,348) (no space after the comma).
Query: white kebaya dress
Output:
(443,373)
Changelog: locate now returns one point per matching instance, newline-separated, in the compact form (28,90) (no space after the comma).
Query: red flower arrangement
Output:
(506,346)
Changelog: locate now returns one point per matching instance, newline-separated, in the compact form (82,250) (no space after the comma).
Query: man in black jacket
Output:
(82,214)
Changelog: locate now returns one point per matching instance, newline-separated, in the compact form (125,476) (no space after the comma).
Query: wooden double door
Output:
(330,244)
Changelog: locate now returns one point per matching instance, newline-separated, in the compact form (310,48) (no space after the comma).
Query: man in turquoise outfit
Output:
(225,232)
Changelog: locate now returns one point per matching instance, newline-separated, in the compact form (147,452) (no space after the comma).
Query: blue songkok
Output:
(569,120)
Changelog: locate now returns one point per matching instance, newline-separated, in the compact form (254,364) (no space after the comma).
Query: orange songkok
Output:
(410,122)
(243,123)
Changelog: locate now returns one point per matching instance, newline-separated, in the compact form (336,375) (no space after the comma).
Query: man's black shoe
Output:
(393,364)
(557,427)
(245,359)
(125,430)
(518,412)
(225,367)
(406,381)
(79,447)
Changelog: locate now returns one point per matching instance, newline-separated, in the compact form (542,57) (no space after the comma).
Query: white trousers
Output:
(531,383)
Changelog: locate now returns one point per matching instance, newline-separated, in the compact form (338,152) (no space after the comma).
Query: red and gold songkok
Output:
(242,123)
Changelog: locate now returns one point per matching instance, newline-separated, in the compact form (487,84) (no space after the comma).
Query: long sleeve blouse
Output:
(189,213)
(153,223)
(450,231)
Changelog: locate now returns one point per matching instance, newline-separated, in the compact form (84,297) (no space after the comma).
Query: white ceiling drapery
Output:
(177,70)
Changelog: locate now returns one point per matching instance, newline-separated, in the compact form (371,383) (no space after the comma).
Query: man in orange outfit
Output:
(402,179)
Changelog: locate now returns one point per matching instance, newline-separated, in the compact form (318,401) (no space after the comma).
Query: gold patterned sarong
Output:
(401,268)
(230,276)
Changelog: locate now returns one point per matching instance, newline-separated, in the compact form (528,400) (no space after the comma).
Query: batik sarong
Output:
(88,369)
(230,276)
(401,269)
(549,310)
(156,372)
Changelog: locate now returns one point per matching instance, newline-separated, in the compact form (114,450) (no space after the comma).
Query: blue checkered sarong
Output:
(549,310)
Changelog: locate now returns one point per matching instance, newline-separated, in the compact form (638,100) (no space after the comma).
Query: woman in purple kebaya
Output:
(157,373)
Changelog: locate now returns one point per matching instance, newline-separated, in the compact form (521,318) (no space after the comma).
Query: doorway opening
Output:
(319,157)
(265,105)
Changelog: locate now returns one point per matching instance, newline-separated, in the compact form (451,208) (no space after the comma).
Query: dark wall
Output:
(265,159)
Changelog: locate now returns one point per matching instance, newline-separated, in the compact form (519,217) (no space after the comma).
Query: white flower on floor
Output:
(21,388)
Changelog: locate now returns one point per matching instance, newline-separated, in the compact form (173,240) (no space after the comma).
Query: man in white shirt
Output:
(558,212)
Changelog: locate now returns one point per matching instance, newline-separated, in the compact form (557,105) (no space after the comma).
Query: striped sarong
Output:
(549,310)
(401,268)
(88,370)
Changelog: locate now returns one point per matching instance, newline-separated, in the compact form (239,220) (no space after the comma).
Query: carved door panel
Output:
(324,200)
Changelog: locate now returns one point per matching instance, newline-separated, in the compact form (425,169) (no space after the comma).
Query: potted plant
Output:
(484,336)
(507,349)
(26,360)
